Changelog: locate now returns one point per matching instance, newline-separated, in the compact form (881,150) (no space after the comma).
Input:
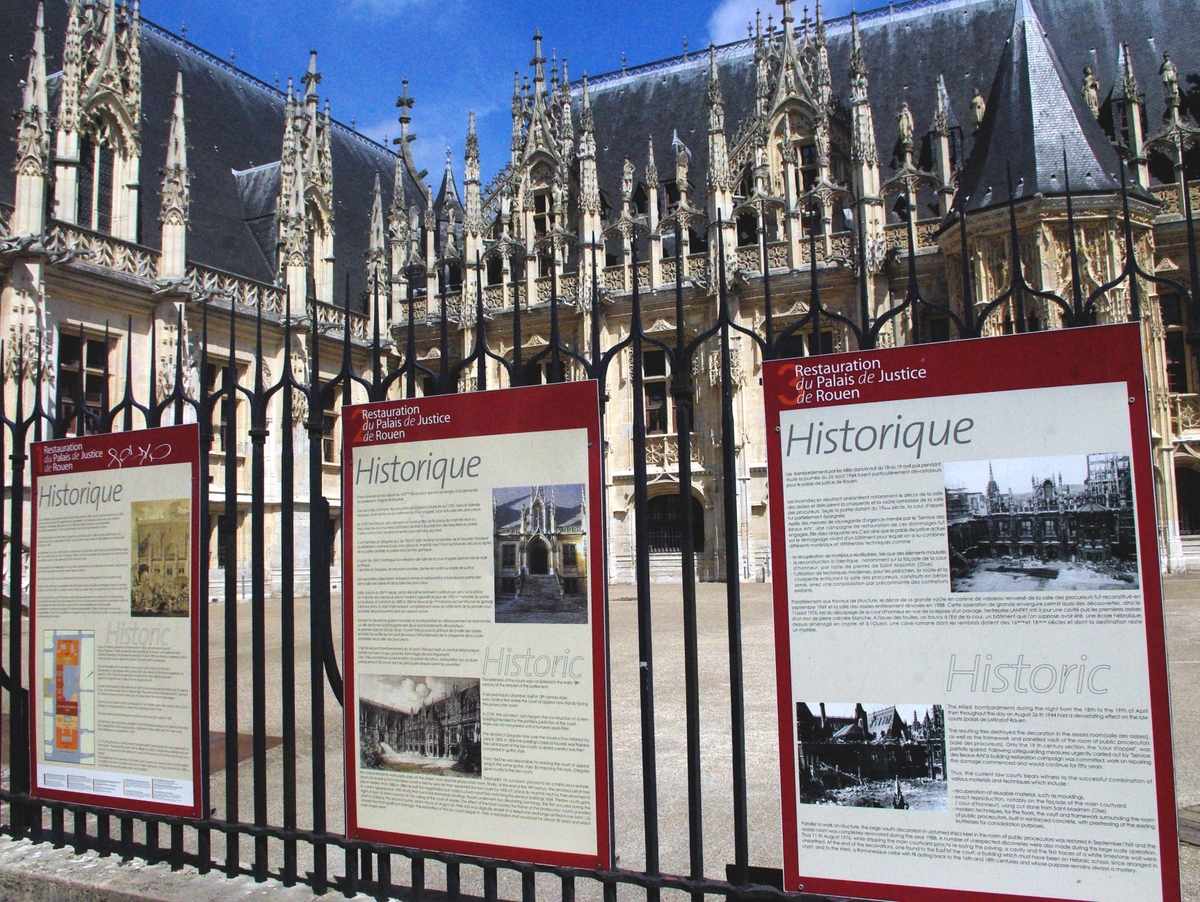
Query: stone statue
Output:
(904,121)
(1091,92)
(1170,80)
(627,180)
(978,108)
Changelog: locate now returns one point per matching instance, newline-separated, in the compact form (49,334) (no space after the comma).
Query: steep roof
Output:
(906,46)
(1034,123)
(234,125)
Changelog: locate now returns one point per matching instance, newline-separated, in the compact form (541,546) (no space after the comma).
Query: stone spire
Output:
(824,78)
(945,124)
(473,208)
(518,119)
(864,150)
(539,72)
(719,177)
(1130,128)
(543,132)
(566,123)
(375,239)
(589,184)
(33,141)
(176,194)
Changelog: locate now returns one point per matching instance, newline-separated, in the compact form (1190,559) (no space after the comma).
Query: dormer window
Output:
(96,186)
(806,175)
(543,213)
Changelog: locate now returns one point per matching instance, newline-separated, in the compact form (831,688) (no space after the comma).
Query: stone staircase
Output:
(541,587)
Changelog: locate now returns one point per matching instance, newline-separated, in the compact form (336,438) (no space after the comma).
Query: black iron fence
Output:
(289,821)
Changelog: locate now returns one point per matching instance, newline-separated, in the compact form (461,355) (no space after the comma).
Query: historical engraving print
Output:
(871,755)
(420,724)
(540,537)
(160,533)
(1054,524)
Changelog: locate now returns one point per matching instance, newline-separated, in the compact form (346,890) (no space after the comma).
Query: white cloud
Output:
(728,21)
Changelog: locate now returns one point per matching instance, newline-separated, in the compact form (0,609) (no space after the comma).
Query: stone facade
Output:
(820,152)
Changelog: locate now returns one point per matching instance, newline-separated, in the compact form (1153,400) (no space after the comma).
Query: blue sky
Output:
(459,55)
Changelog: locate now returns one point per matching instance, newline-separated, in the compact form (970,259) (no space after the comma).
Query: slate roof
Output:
(234,130)
(906,47)
(1034,124)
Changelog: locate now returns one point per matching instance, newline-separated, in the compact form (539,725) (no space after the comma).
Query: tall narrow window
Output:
(80,373)
(660,407)
(822,346)
(329,427)
(226,408)
(807,174)
(86,201)
(104,189)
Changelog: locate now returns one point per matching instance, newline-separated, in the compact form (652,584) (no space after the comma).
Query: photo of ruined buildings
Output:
(1044,524)
(892,757)
(427,725)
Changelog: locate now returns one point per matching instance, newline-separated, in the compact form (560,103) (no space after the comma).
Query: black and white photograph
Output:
(1041,524)
(160,572)
(872,755)
(420,724)
(540,537)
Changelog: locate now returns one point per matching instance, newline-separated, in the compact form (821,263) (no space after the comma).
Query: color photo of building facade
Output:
(187,187)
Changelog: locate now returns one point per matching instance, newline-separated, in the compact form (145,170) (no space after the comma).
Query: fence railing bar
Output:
(229,532)
(683,391)
(204,418)
(318,513)
(287,601)
(644,616)
(729,493)
(258,601)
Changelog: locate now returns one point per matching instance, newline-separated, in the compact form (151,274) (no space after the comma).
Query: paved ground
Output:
(1183,631)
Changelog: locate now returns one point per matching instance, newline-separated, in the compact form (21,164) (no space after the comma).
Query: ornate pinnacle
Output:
(311,78)
(472,148)
(1129,80)
(858,65)
(405,103)
(651,168)
(538,62)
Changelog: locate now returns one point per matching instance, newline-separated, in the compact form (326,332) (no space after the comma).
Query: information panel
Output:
(968,619)
(113,621)
(476,719)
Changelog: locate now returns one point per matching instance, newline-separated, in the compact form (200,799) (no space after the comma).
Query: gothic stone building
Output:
(151,177)
(539,542)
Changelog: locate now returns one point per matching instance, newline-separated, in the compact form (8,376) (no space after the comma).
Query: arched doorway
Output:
(665,524)
(537,558)
(1187,494)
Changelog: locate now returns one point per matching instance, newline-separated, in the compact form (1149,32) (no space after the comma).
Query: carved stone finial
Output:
(176,180)
(1091,92)
(1129,85)
(311,78)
